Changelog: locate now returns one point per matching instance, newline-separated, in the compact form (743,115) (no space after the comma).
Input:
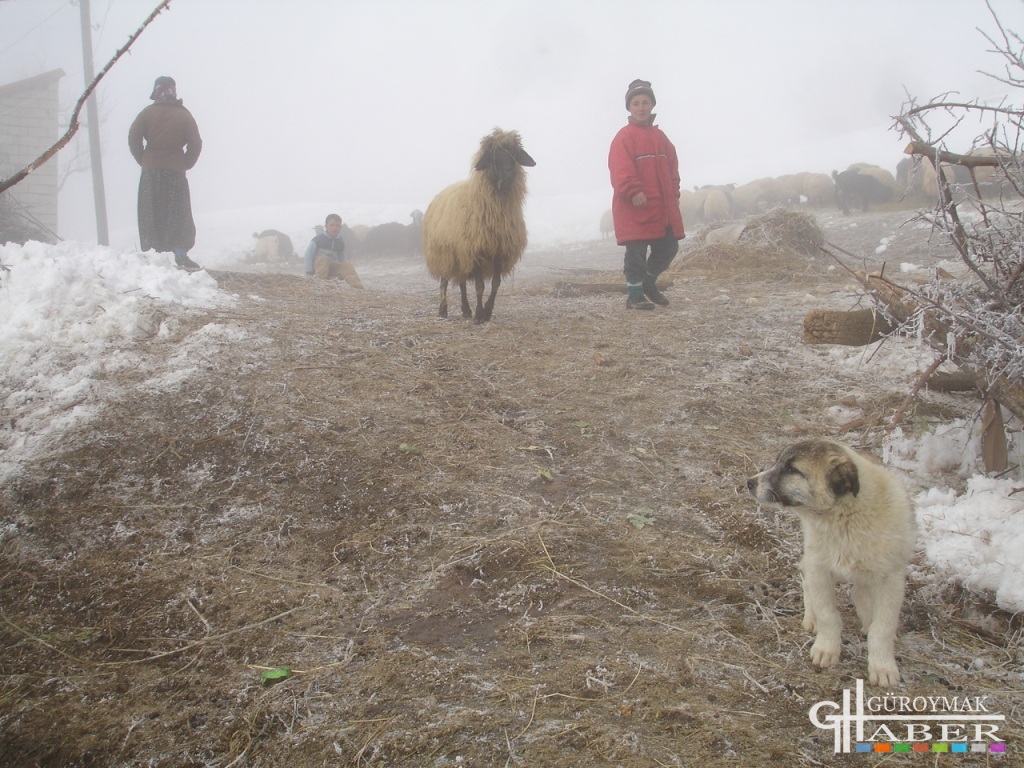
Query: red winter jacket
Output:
(642,159)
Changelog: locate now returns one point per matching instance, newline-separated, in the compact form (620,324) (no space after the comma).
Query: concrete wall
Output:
(29,125)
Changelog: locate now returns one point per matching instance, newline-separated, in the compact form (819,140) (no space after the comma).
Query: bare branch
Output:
(73,126)
(978,322)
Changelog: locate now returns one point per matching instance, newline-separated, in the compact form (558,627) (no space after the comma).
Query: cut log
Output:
(853,329)
(960,381)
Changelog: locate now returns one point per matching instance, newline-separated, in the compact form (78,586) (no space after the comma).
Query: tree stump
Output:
(852,329)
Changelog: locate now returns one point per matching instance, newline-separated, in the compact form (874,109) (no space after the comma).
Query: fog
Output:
(383,102)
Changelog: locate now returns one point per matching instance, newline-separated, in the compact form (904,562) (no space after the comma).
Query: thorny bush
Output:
(978,208)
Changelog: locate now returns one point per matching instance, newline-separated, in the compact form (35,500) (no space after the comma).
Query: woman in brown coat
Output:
(164,139)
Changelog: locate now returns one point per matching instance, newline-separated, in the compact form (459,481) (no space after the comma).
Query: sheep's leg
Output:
(466,312)
(478,281)
(489,306)
(443,311)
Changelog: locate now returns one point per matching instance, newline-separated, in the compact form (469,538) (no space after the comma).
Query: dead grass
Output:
(525,543)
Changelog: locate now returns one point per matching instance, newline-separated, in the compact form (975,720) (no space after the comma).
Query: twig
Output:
(154,657)
(73,125)
(282,581)
(369,740)
(897,417)
(533,711)
(618,695)
(169,448)
(349,655)
(201,617)
(582,585)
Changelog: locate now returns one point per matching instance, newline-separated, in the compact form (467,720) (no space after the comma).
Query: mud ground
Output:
(525,543)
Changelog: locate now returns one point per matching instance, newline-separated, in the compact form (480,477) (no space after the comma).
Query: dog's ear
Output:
(843,478)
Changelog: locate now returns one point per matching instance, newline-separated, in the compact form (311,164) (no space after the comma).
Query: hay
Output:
(783,230)
(779,238)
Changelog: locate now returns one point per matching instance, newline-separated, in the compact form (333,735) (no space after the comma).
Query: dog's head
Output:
(813,474)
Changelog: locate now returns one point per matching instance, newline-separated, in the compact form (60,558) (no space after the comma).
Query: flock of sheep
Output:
(390,239)
(712,203)
(859,186)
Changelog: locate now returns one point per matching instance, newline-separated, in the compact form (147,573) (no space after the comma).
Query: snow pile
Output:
(977,537)
(71,315)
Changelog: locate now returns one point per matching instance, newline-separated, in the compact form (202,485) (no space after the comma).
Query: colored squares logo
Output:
(933,747)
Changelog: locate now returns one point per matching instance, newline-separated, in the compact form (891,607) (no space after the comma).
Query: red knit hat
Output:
(640,86)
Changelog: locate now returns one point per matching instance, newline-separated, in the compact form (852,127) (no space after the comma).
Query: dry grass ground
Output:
(523,544)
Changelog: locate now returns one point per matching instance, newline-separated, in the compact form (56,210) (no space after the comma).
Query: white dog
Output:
(858,527)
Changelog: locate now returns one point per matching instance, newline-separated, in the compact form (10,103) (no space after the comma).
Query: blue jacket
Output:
(333,246)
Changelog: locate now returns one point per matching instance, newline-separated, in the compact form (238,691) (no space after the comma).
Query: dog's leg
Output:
(886,599)
(863,601)
(821,612)
(810,622)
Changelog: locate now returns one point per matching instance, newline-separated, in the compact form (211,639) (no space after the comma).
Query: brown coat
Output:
(165,136)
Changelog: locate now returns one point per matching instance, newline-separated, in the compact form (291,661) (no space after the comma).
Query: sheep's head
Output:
(500,157)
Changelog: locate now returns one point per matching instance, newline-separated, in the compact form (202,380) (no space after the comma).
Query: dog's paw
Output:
(884,673)
(825,653)
(810,625)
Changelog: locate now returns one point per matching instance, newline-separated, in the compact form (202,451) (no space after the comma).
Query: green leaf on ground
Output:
(641,517)
(273,676)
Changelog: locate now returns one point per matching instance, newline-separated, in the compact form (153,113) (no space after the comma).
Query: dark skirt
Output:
(165,211)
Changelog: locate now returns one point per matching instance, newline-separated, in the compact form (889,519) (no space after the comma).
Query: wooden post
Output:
(92,116)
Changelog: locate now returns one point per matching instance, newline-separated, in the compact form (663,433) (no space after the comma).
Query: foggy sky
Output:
(386,100)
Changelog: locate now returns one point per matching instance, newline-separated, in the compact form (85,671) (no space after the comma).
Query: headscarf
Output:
(164,89)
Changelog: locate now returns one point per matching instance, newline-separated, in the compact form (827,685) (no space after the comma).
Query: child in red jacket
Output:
(645,204)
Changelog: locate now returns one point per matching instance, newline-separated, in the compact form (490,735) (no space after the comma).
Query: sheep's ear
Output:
(524,159)
(484,162)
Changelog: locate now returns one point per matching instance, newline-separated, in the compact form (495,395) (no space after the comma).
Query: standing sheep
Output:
(394,238)
(717,205)
(272,247)
(856,186)
(749,199)
(819,189)
(475,228)
(691,206)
